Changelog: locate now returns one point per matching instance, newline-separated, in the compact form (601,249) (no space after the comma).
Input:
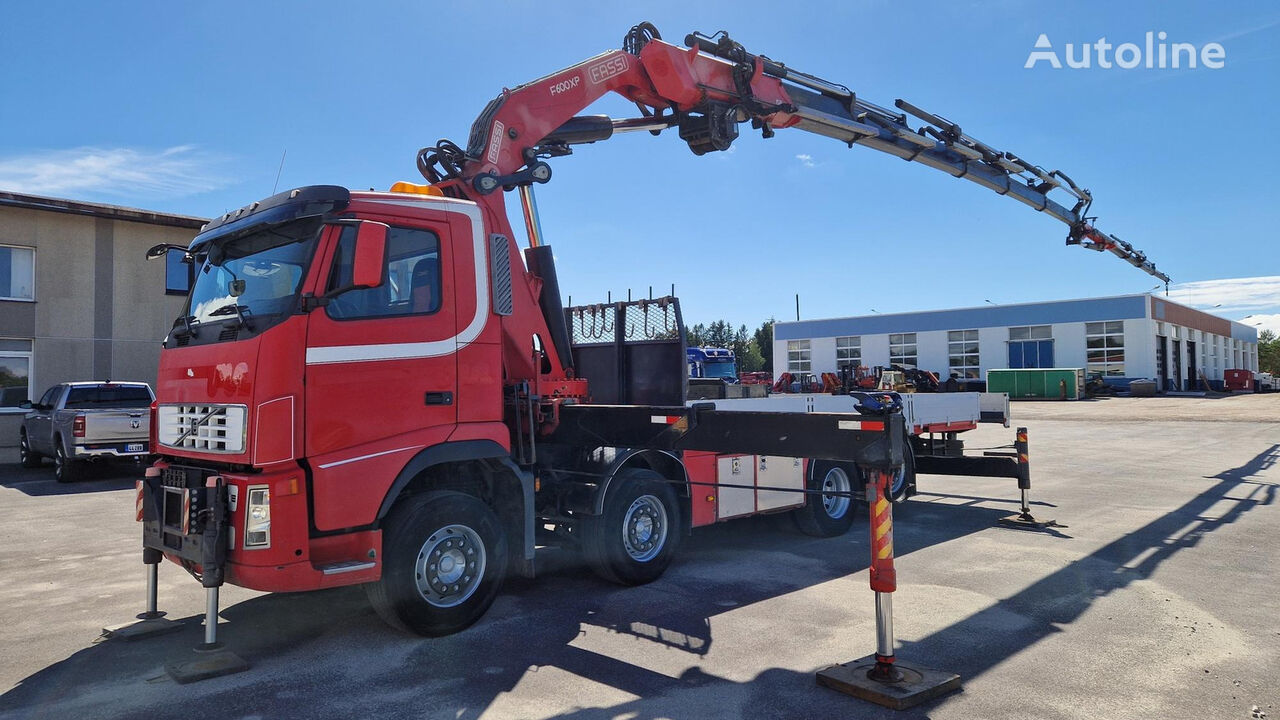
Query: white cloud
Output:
(806,160)
(86,171)
(1266,321)
(1248,293)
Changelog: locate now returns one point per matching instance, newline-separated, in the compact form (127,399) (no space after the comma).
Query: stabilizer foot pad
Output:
(206,665)
(919,684)
(140,629)
(1026,522)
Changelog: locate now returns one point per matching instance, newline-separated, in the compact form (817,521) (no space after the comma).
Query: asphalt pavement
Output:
(1157,599)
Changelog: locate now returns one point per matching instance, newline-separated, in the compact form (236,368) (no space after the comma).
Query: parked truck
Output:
(709,362)
(381,388)
(80,422)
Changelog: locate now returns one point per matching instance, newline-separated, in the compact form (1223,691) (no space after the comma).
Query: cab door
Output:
(40,423)
(381,367)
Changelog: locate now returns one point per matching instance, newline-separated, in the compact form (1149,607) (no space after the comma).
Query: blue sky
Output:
(188,108)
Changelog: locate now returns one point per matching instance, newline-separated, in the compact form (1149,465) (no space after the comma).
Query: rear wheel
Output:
(65,469)
(635,539)
(29,457)
(904,482)
(828,515)
(445,555)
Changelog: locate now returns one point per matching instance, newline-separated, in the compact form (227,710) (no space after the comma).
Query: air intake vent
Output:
(181,340)
(500,271)
(228,334)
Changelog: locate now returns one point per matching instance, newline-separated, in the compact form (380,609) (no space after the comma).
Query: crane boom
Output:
(705,91)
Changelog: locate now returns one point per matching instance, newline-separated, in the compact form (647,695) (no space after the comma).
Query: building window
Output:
(1104,342)
(15,373)
(17,273)
(798,356)
(178,273)
(1031,346)
(902,349)
(962,353)
(848,353)
(1033,332)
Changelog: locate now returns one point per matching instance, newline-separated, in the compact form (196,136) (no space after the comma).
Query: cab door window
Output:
(50,396)
(411,281)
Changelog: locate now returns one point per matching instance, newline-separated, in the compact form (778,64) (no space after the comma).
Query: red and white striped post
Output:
(884,579)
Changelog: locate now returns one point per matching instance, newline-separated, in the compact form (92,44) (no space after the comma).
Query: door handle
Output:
(443,397)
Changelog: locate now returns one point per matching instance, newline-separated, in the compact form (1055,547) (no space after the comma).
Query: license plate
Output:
(135,447)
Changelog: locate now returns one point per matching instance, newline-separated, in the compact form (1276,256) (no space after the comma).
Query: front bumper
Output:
(185,516)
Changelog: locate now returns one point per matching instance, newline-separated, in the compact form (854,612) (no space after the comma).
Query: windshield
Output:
(719,368)
(254,275)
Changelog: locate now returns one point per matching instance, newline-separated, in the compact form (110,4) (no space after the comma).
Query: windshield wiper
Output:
(190,323)
(240,311)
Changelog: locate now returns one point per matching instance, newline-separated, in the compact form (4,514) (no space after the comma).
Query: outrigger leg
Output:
(882,678)
(1024,519)
(212,659)
(152,621)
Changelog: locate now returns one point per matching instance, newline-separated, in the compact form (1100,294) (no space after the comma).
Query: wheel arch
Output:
(662,462)
(513,501)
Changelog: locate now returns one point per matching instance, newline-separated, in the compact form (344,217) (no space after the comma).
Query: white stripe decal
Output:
(434,348)
(326,466)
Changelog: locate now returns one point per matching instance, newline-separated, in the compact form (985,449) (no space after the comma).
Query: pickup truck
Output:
(86,421)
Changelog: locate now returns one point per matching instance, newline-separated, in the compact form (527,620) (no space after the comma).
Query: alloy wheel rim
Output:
(644,528)
(836,481)
(450,566)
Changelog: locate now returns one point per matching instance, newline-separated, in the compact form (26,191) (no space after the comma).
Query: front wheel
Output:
(831,513)
(65,469)
(635,539)
(29,457)
(445,555)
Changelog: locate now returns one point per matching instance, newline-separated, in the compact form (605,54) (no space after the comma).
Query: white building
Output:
(1131,336)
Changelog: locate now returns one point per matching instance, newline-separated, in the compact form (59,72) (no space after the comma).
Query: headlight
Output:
(257,524)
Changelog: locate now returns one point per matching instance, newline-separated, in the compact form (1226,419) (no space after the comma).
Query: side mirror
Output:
(371,254)
(155,252)
(25,405)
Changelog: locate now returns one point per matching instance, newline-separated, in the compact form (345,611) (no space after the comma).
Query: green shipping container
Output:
(1037,382)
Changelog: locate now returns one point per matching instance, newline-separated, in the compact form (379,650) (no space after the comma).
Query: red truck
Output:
(380,388)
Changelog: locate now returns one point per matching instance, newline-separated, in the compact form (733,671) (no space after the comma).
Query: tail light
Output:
(77,426)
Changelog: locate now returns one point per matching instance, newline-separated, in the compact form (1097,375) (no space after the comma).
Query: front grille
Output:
(210,428)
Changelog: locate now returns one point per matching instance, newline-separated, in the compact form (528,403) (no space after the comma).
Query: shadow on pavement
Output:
(532,626)
(325,654)
(102,476)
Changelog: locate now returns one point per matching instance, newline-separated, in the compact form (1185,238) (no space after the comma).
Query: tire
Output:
(904,483)
(29,458)
(444,559)
(827,515)
(635,539)
(65,469)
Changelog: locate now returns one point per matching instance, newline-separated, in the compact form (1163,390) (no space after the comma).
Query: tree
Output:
(764,342)
(1269,352)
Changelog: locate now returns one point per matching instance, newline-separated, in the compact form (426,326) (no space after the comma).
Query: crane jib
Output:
(711,87)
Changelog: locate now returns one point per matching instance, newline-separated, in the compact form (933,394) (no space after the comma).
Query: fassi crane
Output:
(706,91)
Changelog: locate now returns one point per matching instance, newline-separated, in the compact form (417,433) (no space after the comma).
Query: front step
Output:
(345,567)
